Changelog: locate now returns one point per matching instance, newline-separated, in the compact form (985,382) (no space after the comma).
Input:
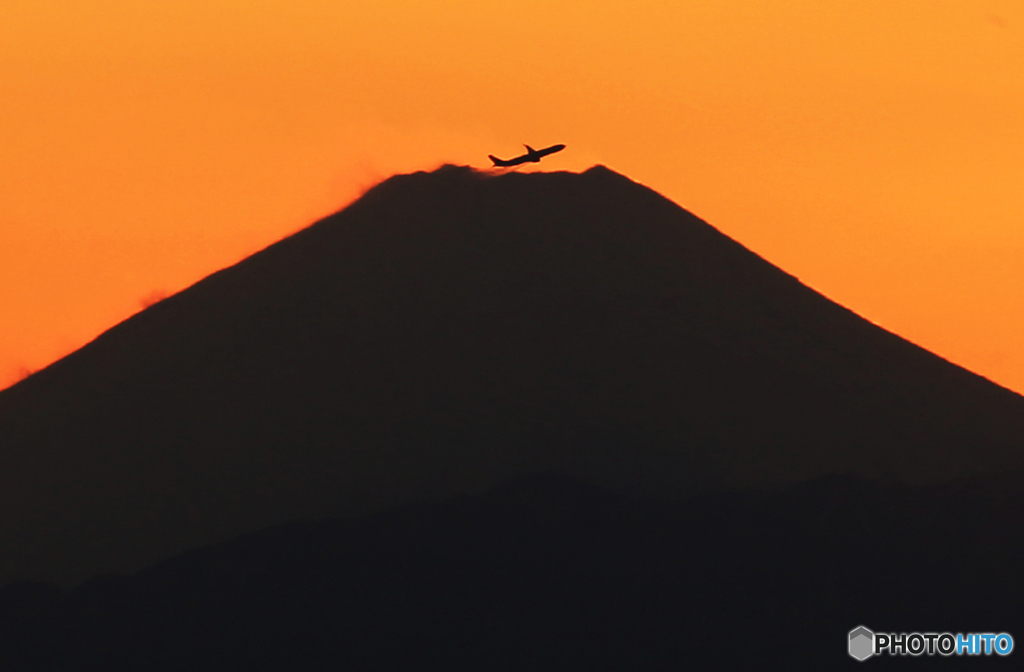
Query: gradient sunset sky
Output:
(873,148)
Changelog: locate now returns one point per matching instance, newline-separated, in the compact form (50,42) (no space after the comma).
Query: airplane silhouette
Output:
(532,156)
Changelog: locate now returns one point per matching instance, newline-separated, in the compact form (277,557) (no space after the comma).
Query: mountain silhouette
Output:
(451,331)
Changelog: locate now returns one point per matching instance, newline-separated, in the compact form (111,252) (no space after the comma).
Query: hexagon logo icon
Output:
(862,643)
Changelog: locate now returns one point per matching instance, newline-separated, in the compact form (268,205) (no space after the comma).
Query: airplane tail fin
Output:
(497,161)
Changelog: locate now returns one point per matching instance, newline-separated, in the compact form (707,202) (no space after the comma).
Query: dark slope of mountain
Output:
(452,330)
(549,574)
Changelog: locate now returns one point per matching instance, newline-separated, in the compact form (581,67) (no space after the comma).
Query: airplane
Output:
(532,156)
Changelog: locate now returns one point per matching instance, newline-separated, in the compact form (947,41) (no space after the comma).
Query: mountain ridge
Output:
(449,331)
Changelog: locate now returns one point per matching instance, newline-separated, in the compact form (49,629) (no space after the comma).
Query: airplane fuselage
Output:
(532,156)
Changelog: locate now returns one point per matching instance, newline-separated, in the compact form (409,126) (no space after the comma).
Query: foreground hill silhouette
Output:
(546,573)
(446,333)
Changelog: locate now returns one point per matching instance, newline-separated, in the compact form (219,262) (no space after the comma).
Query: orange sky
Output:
(873,148)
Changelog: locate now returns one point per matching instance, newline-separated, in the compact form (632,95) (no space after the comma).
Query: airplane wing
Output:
(505,163)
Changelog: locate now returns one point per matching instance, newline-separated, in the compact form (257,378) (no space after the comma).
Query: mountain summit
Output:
(453,330)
